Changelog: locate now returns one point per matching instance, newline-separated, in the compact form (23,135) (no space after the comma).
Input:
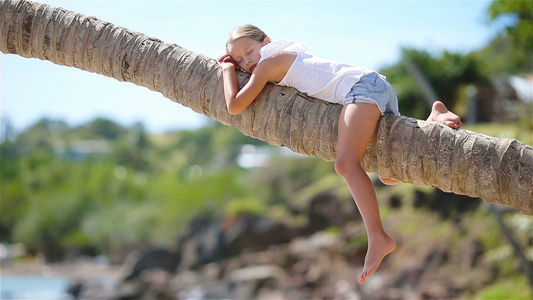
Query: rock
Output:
(149,284)
(254,233)
(420,199)
(473,253)
(326,210)
(395,202)
(255,273)
(75,288)
(200,243)
(317,242)
(212,241)
(450,205)
(156,258)
(247,282)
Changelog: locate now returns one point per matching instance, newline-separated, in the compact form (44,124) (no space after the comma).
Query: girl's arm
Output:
(271,69)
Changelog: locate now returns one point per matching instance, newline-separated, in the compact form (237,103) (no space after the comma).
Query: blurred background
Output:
(111,191)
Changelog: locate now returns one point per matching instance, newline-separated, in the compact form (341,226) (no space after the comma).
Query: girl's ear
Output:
(267,40)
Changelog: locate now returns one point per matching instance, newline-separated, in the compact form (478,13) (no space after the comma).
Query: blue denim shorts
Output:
(375,89)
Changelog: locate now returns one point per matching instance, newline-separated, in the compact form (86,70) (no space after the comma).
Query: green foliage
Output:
(122,223)
(504,58)
(446,74)
(358,241)
(215,145)
(103,185)
(245,205)
(516,288)
(521,28)
(286,178)
(521,130)
(101,128)
(510,52)
(39,136)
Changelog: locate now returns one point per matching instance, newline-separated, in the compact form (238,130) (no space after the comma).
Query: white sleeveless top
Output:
(324,79)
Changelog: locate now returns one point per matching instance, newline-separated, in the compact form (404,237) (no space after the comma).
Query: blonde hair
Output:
(249,31)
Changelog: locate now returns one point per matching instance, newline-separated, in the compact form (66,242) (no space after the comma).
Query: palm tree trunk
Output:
(423,153)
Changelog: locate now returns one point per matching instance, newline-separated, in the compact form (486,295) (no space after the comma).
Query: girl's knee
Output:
(344,167)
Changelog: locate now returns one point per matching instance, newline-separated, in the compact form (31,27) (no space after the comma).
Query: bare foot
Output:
(439,113)
(389,181)
(378,248)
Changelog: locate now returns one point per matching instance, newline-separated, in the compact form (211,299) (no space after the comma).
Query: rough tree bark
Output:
(497,170)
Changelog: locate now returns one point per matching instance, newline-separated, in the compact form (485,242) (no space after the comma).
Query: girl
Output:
(364,94)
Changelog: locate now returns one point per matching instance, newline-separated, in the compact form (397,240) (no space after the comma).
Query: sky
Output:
(366,33)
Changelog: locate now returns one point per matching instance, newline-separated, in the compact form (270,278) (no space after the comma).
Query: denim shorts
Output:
(374,88)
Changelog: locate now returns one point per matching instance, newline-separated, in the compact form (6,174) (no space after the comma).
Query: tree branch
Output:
(423,153)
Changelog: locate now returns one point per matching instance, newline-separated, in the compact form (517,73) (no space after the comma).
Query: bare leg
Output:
(357,123)
(440,113)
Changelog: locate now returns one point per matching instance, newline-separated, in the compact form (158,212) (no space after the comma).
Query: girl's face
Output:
(245,52)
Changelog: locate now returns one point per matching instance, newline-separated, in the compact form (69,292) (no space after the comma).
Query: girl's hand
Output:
(226,60)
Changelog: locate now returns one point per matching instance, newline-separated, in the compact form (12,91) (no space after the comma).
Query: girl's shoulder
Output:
(276,46)
(276,66)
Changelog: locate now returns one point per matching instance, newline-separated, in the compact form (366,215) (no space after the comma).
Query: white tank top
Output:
(324,79)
